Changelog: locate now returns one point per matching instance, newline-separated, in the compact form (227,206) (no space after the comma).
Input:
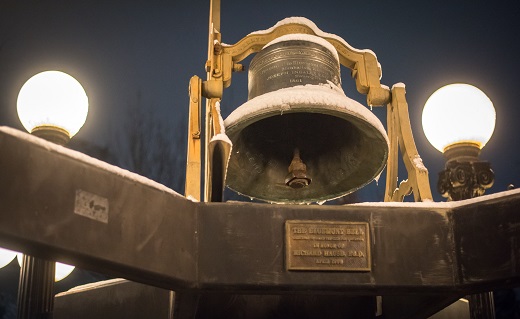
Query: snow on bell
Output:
(299,138)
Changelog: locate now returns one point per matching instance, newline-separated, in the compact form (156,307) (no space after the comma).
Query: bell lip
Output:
(306,201)
(328,97)
(331,101)
(303,201)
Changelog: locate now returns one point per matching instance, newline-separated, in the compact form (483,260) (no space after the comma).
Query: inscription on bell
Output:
(327,245)
(292,63)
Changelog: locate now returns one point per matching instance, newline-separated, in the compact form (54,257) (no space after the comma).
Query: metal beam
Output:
(149,234)
(135,228)
(411,248)
(114,299)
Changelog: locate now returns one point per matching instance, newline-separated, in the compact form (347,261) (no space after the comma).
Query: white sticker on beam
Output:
(91,206)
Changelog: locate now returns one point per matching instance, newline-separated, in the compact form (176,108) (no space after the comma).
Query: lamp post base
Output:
(52,134)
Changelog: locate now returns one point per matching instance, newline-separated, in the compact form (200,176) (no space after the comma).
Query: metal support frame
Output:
(193,162)
(366,71)
(401,137)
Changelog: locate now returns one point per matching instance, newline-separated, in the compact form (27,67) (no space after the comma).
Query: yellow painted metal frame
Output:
(223,60)
(401,137)
(193,162)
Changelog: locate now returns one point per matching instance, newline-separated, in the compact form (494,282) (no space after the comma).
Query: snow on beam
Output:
(61,204)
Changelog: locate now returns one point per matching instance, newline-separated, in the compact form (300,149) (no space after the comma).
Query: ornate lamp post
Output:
(458,120)
(54,106)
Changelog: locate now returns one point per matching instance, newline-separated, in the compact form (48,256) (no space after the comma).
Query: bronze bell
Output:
(299,138)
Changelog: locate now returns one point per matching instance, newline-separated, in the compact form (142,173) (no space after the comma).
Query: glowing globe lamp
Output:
(52,105)
(62,270)
(458,115)
(6,256)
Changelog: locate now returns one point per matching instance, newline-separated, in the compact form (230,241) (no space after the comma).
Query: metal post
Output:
(36,285)
(213,35)
(466,177)
(36,288)
(481,305)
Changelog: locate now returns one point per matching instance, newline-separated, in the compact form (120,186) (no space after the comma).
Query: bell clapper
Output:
(297,177)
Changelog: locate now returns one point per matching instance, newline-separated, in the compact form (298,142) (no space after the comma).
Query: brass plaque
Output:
(327,245)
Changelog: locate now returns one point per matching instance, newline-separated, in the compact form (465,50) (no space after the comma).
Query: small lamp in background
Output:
(54,106)
(458,120)
(6,256)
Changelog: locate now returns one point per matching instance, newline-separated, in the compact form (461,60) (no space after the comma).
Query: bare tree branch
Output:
(146,146)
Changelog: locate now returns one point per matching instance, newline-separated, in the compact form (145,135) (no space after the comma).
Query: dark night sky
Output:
(121,49)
